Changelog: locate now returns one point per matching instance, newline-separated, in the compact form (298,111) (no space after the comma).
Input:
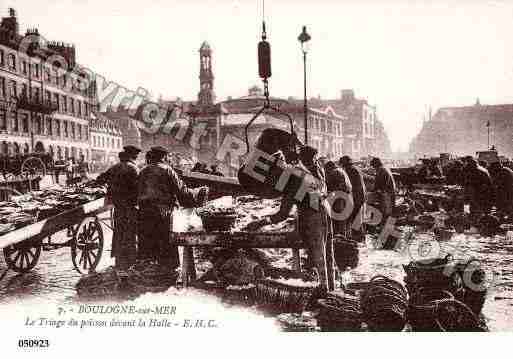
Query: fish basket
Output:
(439,272)
(345,252)
(384,305)
(276,296)
(421,311)
(339,314)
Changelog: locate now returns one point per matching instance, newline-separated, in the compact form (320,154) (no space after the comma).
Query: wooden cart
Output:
(22,247)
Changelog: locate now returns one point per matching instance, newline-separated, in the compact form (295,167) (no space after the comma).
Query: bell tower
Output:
(206,96)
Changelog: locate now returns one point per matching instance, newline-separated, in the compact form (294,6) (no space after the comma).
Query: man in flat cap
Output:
(122,188)
(159,190)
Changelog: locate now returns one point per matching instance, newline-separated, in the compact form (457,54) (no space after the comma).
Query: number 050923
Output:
(33,343)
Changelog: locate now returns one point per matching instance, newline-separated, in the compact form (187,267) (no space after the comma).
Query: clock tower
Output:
(206,96)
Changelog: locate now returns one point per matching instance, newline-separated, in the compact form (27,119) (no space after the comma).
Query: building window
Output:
(65,123)
(25,123)
(48,76)
(2,87)
(24,90)
(3,120)
(323,125)
(56,100)
(72,106)
(58,127)
(86,132)
(64,104)
(48,97)
(11,59)
(79,131)
(39,125)
(14,90)
(49,121)
(103,141)
(79,108)
(36,70)
(1,57)
(24,67)
(36,94)
(15,126)
(72,130)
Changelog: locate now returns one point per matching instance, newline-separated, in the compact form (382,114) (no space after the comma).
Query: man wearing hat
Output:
(122,189)
(385,187)
(355,220)
(159,190)
(313,223)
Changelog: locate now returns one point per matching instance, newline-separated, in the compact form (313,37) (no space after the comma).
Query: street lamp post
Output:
(303,38)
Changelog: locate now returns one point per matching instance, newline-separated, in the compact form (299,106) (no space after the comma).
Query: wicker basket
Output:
(275,297)
(384,305)
(421,311)
(339,315)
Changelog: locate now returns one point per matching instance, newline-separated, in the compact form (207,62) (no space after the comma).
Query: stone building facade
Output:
(46,98)
(464,131)
(106,139)
(364,134)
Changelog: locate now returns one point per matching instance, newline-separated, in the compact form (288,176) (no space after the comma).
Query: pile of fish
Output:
(37,205)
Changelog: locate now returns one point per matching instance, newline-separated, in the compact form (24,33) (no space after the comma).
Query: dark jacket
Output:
(356,178)
(160,185)
(478,185)
(337,180)
(384,180)
(122,183)
(503,183)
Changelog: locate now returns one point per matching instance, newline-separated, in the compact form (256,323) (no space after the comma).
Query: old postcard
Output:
(172,170)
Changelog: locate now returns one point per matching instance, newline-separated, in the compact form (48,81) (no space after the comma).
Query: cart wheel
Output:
(87,245)
(33,166)
(23,256)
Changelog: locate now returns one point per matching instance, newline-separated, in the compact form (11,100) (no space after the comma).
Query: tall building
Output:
(106,139)
(364,134)
(46,97)
(464,130)
(206,95)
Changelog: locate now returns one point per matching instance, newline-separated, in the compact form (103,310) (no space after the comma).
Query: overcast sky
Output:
(401,55)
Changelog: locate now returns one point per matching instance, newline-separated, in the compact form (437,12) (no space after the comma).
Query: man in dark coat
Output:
(122,189)
(313,223)
(385,187)
(478,186)
(359,197)
(160,190)
(337,180)
(503,183)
